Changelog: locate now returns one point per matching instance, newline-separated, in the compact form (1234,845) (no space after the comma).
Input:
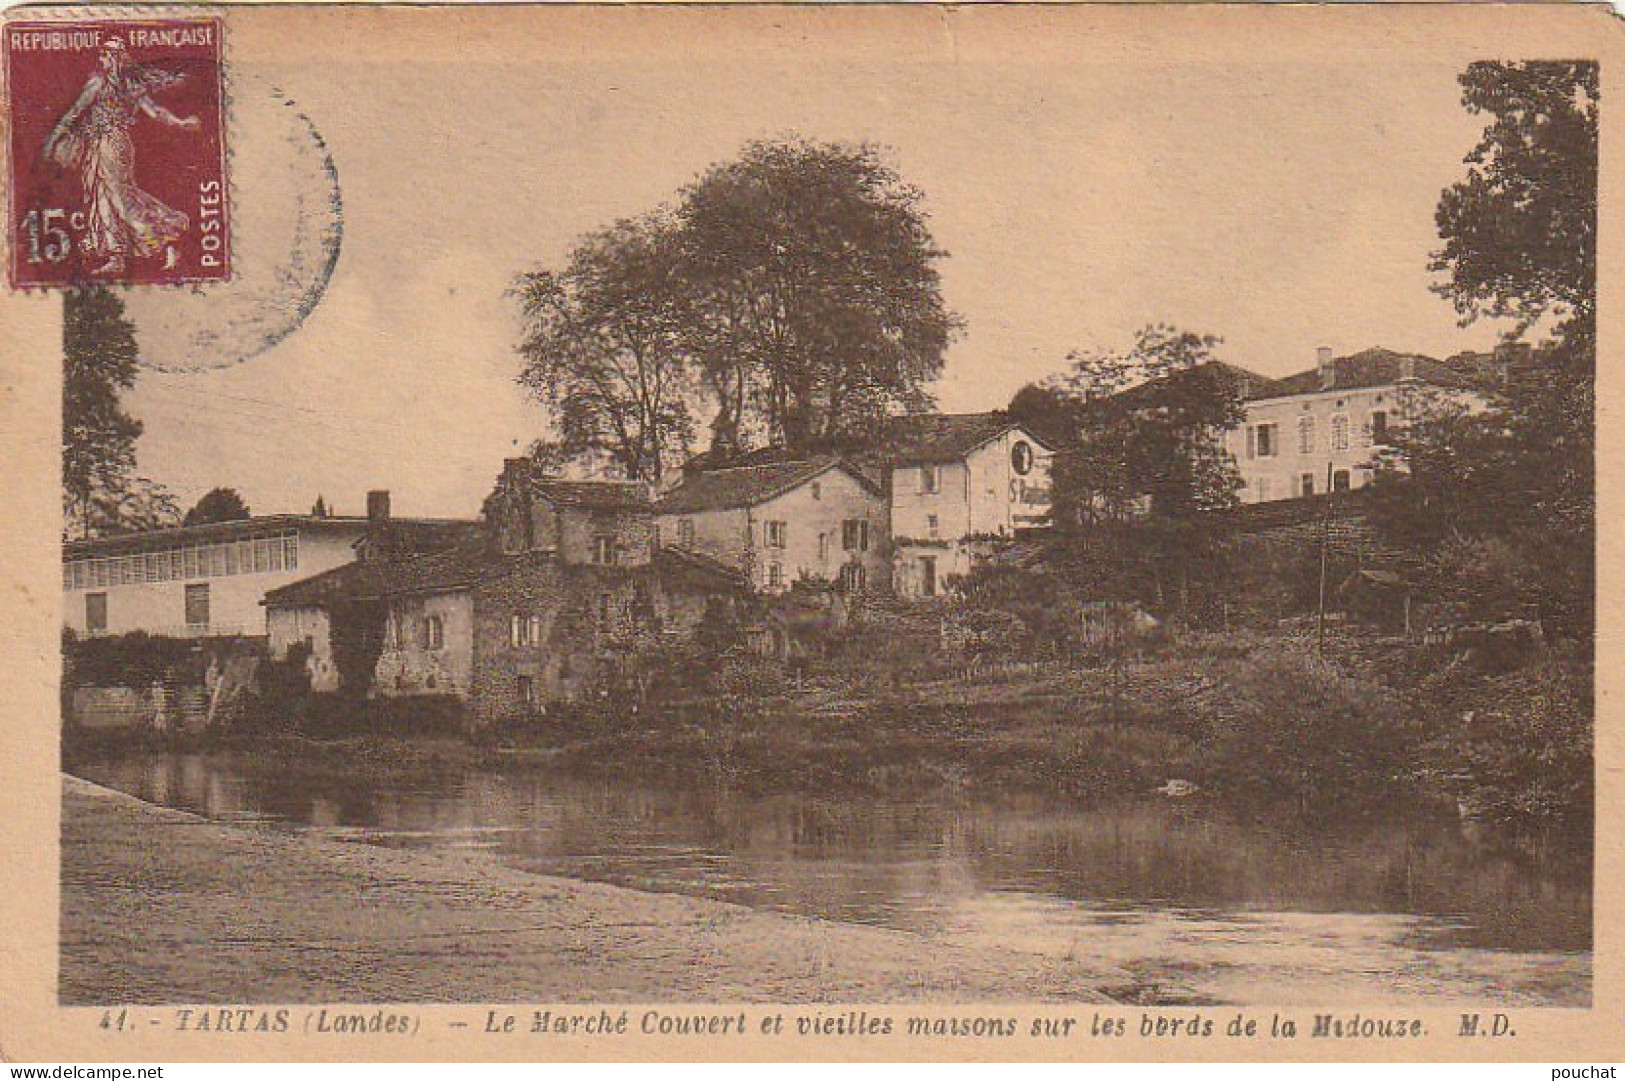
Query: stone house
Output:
(564,581)
(779,521)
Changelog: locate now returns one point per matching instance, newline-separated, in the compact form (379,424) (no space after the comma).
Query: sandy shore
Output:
(159,906)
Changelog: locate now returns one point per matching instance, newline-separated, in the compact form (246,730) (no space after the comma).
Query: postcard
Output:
(809,532)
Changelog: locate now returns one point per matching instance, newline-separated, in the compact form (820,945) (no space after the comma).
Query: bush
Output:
(1524,756)
(743,675)
(136,659)
(1287,726)
(1042,605)
(281,697)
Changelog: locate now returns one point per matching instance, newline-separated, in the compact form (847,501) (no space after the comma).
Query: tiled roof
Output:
(693,565)
(911,439)
(434,572)
(921,438)
(1248,384)
(463,568)
(321,588)
(709,460)
(593,494)
(437,572)
(1375,367)
(1252,385)
(744,486)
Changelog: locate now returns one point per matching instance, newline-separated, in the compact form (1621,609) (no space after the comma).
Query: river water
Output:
(1195,902)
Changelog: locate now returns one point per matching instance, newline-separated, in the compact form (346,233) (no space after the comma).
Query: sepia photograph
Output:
(943,509)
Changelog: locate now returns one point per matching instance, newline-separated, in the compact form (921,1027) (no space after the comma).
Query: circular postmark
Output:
(287,231)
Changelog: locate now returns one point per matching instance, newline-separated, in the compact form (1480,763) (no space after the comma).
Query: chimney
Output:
(1326,368)
(1407,369)
(378,543)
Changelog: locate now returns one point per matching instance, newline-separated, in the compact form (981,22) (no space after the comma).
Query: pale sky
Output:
(1281,204)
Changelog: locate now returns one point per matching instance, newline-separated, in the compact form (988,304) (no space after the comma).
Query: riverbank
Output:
(1265,722)
(160,906)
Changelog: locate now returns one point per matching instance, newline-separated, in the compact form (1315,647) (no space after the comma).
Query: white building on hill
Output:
(1322,429)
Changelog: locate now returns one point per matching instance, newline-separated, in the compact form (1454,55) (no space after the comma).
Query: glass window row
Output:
(257,555)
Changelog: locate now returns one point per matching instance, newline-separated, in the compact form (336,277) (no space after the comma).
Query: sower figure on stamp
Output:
(93,137)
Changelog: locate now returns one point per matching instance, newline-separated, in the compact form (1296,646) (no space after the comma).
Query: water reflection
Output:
(1148,884)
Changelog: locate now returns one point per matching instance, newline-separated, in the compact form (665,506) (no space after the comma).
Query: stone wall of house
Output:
(1308,432)
(983,495)
(813,535)
(722,535)
(549,658)
(288,627)
(574,617)
(1340,428)
(412,664)
(923,568)
(634,535)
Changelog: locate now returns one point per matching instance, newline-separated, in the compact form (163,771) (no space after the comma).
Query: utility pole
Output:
(1325,536)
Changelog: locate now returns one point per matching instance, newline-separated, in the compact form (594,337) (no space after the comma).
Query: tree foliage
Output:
(1517,479)
(218,505)
(1527,745)
(1142,465)
(1520,230)
(817,300)
(101,493)
(792,295)
(1292,729)
(603,347)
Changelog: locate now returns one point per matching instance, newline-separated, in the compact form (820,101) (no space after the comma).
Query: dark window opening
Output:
(197,605)
(95,612)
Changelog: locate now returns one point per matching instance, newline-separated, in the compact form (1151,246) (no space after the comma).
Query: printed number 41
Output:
(48,241)
(114,1021)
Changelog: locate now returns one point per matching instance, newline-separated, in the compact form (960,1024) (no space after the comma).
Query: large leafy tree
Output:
(603,347)
(217,505)
(1143,464)
(1520,230)
(1516,481)
(816,303)
(101,493)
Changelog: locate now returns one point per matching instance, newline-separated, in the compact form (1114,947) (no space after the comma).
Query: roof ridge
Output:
(819,459)
(939,414)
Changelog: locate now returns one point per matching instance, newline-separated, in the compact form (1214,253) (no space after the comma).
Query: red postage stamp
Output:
(117,153)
